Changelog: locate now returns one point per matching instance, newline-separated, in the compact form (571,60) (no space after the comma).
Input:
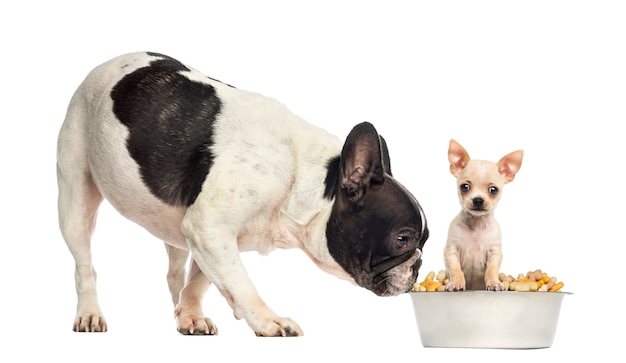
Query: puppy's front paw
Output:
(457,283)
(455,286)
(279,327)
(495,285)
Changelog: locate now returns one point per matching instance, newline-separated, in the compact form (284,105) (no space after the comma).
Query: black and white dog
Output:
(213,170)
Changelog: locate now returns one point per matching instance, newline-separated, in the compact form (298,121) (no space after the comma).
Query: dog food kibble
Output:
(429,284)
(532,281)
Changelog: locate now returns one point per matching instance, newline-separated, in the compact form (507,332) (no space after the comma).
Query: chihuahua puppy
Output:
(473,251)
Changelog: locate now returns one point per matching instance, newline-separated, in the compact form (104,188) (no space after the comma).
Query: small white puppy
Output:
(473,251)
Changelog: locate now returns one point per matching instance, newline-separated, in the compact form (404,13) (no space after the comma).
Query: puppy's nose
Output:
(478,202)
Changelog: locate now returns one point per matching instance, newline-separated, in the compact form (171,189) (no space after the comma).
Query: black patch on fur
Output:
(332,177)
(375,223)
(170,119)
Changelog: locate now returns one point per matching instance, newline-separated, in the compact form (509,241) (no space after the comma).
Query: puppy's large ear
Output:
(510,164)
(361,161)
(457,156)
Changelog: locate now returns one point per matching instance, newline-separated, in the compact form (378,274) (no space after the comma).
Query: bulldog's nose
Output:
(478,203)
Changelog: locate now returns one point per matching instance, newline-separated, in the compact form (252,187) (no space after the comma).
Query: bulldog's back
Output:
(152,129)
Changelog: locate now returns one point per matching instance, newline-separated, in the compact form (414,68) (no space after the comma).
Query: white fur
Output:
(251,200)
(473,250)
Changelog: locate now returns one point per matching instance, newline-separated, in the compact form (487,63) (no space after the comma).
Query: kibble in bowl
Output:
(486,319)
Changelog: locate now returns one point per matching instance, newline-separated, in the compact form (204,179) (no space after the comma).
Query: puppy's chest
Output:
(476,243)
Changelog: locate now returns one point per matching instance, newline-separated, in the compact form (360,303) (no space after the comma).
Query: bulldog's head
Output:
(377,228)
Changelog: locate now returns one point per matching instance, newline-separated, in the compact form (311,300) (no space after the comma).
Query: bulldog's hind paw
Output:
(90,323)
(196,326)
(280,327)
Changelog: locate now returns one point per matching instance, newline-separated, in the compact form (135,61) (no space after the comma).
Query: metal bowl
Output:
(487,319)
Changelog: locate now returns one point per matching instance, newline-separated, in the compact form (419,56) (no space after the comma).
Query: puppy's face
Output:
(480,182)
(479,185)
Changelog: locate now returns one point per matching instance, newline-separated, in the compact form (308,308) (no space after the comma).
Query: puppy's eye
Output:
(402,241)
(493,190)
(465,188)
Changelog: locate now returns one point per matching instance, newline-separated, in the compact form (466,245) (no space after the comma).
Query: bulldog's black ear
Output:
(361,161)
(385,151)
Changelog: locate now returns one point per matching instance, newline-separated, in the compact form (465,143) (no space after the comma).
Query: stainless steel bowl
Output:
(487,319)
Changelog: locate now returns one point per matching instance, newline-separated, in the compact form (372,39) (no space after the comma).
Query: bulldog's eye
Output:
(465,187)
(403,241)
(493,190)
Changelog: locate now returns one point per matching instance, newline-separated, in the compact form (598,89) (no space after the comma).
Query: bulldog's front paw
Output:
(194,324)
(278,327)
(495,285)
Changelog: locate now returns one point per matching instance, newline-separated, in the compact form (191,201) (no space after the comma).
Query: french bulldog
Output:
(473,251)
(213,171)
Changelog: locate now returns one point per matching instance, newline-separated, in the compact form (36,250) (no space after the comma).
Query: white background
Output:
(544,76)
